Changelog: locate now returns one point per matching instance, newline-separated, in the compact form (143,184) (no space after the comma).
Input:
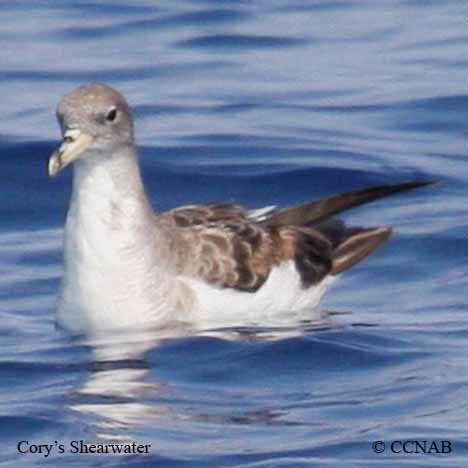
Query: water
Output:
(262,102)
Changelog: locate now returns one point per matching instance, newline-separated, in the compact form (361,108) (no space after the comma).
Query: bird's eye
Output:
(111,115)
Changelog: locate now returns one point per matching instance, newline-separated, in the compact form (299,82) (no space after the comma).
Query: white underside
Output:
(282,295)
(104,302)
(115,276)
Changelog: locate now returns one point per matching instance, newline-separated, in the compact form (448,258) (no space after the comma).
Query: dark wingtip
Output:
(401,187)
(418,183)
(316,211)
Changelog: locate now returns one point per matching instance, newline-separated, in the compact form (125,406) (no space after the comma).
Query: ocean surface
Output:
(261,103)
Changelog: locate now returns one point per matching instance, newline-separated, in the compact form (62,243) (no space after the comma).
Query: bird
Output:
(127,266)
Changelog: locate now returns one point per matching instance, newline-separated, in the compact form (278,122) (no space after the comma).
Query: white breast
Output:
(104,285)
(111,272)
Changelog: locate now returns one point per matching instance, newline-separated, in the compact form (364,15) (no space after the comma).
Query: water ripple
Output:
(234,42)
(185,20)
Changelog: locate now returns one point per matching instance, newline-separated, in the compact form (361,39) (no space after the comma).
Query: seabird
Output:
(127,266)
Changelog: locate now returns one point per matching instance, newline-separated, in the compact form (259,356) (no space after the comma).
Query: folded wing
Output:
(228,246)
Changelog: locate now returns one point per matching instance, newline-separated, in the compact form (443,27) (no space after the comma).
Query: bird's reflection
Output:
(116,395)
(120,394)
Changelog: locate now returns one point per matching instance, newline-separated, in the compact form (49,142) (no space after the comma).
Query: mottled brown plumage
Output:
(228,246)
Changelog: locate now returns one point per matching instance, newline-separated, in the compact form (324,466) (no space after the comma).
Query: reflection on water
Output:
(116,402)
(116,393)
(120,393)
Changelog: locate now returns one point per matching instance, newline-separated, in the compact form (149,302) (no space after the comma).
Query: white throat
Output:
(108,194)
(110,255)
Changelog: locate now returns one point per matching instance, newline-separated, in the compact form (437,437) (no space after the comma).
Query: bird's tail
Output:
(356,245)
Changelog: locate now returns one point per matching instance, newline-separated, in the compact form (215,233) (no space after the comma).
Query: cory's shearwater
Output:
(126,265)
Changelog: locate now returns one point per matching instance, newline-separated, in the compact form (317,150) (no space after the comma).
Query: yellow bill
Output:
(74,143)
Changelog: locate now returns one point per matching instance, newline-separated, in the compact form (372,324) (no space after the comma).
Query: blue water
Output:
(258,102)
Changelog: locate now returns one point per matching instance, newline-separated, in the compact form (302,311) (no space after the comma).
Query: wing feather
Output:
(228,246)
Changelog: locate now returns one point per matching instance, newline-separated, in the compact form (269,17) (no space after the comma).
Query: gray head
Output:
(94,118)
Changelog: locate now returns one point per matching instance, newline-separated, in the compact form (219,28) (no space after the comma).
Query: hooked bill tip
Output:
(53,165)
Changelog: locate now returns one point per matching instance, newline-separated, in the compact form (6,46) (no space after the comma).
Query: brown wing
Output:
(240,255)
(316,211)
(222,245)
(307,214)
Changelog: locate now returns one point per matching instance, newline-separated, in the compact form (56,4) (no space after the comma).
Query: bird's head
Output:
(94,119)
